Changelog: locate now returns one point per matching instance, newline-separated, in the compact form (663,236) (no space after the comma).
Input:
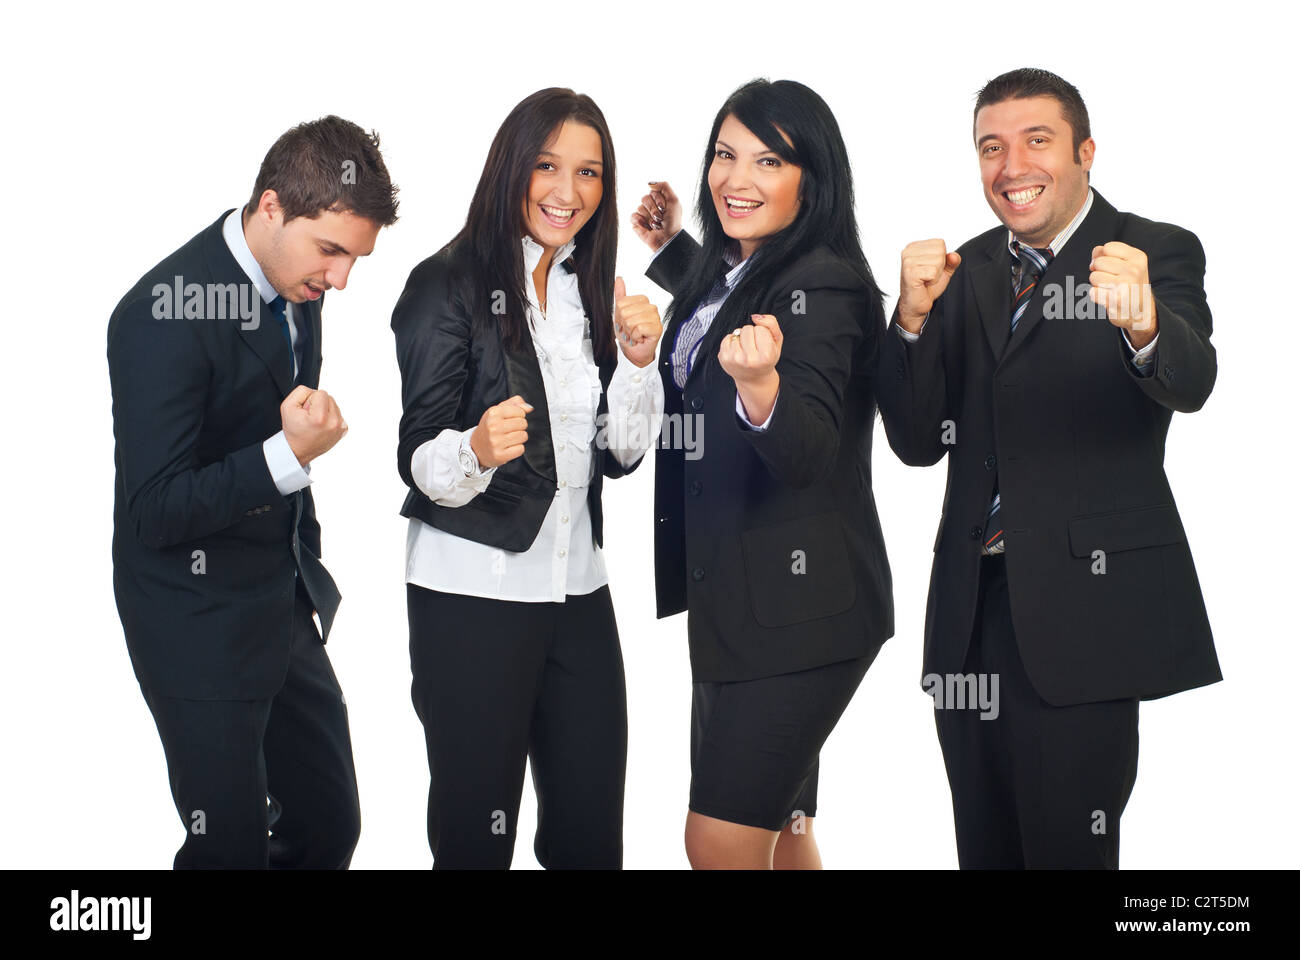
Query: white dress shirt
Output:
(288,474)
(563,560)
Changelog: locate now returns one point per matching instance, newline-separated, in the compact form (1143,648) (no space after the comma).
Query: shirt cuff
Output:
(286,471)
(1142,359)
(760,427)
(436,470)
(664,246)
(635,400)
(908,335)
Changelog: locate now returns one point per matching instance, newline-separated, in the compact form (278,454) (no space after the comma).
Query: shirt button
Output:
(564,383)
(564,483)
(564,519)
(636,378)
(562,551)
(560,447)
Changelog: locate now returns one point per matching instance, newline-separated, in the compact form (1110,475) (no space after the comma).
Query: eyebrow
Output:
(1038,128)
(332,243)
(761,153)
(585,163)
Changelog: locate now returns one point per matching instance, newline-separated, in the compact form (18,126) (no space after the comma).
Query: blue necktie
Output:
(1031,264)
(278,311)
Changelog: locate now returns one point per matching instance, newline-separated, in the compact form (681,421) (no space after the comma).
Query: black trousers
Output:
(497,683)
(266,783)
(1033,785)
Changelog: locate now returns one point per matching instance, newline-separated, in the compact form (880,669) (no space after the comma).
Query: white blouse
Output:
(563,559)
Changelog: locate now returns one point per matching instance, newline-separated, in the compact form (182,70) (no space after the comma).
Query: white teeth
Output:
(1024,196)
(555,212)
(743,204)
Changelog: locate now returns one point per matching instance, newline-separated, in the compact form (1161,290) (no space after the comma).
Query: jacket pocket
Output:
(798,570)
(1126,530)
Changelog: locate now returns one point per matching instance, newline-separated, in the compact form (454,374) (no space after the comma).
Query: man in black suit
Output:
(1045,358)
(214,358)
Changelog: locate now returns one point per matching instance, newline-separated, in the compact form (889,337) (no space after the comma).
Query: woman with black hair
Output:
(769,540)
(515,403)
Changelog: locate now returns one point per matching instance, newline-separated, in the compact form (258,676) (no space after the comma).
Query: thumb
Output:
(299,395)
(951,263)
(620,289)
(768,323)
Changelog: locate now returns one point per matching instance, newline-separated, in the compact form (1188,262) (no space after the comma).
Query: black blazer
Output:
(770,540)
(1076,440)
(453,370)
(193,400)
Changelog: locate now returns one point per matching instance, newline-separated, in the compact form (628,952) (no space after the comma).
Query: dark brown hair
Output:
(328,164)
(487,251)
(1031,82)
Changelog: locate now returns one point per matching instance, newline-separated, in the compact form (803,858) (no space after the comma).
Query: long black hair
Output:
(825,216)
(486,255)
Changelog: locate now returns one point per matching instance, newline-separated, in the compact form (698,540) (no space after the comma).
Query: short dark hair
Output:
(1031,82)
(328,164)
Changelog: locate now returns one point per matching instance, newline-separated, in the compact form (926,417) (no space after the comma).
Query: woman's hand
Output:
(749,356)
(659,217)
(636,324)
(501,432)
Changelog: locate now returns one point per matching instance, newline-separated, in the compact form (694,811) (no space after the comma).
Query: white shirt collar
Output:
(233,233)
(533,252)
(1064,236)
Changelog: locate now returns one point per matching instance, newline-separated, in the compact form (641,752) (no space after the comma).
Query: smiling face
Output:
(305,257)
(566,185)
(755,192)
(1032,179)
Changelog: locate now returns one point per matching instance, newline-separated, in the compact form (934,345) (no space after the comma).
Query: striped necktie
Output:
(1027,269)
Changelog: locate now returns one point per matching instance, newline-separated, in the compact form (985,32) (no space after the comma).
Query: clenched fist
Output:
(1120,283)
(749,356)
(659,217)
(501,432)
(312,423)
(927,268)
(637,325)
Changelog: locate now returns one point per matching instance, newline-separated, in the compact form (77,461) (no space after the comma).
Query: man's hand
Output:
(312,423)
(501,432)
(636,324)
(1120,283)
(659,217)
(927,268)
(749,356)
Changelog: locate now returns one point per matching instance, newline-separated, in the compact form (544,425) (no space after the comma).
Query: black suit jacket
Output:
(453,370)
(196,390)
(1076,438)
(770,539)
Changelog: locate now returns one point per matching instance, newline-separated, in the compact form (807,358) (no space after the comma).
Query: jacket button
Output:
(990,462)
(697,403)
(698,573)
(696,487)
(975,532)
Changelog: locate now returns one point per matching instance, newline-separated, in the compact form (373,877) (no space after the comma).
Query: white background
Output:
(130,128)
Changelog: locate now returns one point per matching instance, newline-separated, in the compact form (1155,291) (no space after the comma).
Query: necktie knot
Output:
(1033,261)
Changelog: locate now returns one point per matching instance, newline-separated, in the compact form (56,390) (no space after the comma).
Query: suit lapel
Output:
(262,332)
(992,282)
(311,352)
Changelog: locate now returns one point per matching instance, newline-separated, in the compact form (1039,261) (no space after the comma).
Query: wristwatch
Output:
(468,460)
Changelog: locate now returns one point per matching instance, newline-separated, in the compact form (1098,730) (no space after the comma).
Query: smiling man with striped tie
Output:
(1045,359)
